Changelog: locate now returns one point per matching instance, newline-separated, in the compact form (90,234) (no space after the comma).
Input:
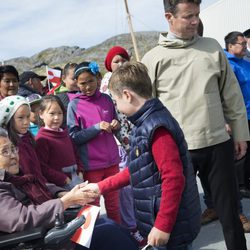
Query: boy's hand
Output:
(93,187)
(115,125)
(78,196)
(105,126)
(157,237)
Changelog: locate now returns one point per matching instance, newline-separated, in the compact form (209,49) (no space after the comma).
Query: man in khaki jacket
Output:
(192,77)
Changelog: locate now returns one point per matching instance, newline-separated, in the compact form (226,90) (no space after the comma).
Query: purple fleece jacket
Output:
(97,148)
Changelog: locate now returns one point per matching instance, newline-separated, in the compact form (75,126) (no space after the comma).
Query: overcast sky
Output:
(30,26)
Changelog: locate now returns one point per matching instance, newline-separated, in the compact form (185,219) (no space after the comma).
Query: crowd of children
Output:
(77,134)
(70,136)
(110,132)
(81,133)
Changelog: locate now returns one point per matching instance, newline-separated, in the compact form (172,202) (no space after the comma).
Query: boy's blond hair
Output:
(133,76)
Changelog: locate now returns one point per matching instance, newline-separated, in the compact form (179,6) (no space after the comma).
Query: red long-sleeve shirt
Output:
(167,158)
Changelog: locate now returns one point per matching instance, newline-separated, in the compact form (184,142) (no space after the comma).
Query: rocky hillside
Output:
(60,56)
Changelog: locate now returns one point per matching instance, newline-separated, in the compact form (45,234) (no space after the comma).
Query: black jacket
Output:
(25,90)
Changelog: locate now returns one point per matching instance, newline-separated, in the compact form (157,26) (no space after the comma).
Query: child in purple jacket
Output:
(91,119)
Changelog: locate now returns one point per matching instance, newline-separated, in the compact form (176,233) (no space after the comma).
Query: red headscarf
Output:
(114,51)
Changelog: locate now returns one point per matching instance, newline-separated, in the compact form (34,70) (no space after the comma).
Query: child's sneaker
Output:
(138,237)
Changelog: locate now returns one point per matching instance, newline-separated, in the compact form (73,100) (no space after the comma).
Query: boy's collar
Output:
(149,105)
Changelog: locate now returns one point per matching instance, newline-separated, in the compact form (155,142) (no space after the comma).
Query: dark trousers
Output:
(239,165)
(247,163)
(215,165)
(108,235)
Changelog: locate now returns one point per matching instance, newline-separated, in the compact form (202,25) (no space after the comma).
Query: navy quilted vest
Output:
(146,180)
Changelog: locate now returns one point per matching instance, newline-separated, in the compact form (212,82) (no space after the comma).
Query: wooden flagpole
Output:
(48,77)
(132,32)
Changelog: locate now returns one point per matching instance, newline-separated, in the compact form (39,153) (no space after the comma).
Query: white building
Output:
(225,16)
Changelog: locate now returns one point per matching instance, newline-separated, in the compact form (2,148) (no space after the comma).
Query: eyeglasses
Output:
(7,151)
(243,44)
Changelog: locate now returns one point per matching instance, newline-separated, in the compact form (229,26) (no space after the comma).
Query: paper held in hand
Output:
(83,235)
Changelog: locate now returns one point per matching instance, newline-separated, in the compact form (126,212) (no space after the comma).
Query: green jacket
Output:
(195,82)
(61,89)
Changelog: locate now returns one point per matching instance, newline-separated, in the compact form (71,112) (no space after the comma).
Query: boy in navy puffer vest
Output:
(166,199)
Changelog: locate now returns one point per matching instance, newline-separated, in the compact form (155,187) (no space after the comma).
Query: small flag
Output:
(54,77)
(83,235)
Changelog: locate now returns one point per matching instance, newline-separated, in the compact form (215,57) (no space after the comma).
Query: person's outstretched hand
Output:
(78,196)
(92,187)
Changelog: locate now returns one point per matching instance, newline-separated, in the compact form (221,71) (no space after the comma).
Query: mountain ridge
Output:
(59,56)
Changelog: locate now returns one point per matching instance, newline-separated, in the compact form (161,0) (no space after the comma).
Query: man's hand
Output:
(228,128)
(157,237)
(240,148)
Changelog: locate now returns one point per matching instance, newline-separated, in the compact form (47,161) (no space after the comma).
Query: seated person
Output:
(26,203)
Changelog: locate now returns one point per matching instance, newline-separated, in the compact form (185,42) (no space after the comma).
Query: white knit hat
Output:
(9,106)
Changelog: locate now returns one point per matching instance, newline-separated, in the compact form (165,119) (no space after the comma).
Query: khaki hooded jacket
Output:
(195,82)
